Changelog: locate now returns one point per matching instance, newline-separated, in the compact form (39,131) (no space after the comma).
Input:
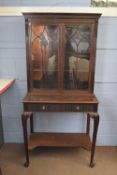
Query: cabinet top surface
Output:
(62,15)
(60,97)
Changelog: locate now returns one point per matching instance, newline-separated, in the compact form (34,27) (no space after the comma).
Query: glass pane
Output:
(77,55)
(44,56)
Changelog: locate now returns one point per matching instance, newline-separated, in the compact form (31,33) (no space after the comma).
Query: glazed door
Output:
(44,56)
(77,56)
(61,55)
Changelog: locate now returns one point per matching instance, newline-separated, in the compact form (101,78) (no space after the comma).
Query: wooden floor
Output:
(57,161)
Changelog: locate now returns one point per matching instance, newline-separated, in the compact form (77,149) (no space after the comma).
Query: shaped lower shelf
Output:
(59,140)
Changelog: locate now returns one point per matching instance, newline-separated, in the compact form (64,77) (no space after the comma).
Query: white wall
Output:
(13,64)
(44,2)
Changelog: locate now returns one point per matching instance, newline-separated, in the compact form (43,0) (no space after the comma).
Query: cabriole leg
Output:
(95,117)
(31,124)
(88,124)
(25,116)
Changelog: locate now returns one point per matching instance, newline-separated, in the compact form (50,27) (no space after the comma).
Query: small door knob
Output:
(77,108)
(43,108)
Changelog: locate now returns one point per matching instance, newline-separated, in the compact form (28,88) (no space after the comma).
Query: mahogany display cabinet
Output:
(60,52)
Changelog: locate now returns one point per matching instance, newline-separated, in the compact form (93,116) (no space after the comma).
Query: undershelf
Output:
(59,140)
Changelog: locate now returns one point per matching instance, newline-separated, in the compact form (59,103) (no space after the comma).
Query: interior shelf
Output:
(59,140)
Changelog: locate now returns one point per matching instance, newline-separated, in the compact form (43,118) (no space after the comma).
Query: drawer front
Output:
(60,107)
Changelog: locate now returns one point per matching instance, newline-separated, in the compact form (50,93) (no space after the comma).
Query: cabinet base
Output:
(59,140)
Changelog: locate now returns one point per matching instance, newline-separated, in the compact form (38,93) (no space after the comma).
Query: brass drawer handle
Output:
(43,108)
(77,108)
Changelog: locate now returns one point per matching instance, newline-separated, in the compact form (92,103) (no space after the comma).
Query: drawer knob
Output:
(77,108)
(43,108)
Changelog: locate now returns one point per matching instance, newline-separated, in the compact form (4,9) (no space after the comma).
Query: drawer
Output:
(43,107)
(83,108)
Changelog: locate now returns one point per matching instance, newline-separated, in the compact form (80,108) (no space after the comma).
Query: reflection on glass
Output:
(76,63)
(44,56)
